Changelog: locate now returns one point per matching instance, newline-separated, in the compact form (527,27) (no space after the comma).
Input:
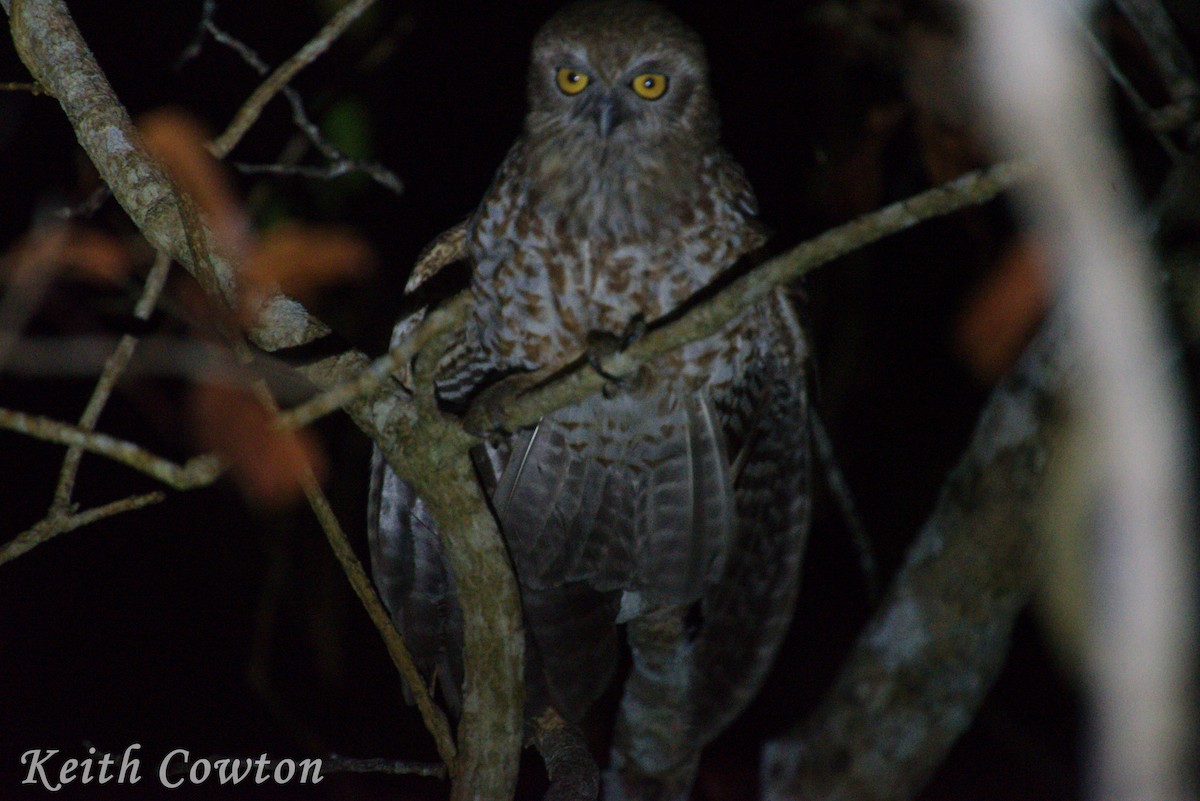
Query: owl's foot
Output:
(485,417)
(572,770)
(603,345)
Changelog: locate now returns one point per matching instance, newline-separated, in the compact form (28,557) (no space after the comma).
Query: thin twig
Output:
(1149,117)
(113,368)
(431,714)
(340,163)
(252,108)
(199,471)
(207,12)
(1154,25)
(840,490)
(449,316)
(336,169)
(19,86)
(87,207)
(395,767)
(506,411)
(54,525)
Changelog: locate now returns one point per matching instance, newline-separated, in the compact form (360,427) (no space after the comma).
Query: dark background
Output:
(211,624)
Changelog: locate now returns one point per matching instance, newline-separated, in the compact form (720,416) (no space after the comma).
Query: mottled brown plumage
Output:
(676,502)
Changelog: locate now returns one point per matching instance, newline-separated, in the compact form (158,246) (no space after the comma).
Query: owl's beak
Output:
(608,114)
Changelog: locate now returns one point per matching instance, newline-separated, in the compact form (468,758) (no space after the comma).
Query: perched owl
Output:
(675,502)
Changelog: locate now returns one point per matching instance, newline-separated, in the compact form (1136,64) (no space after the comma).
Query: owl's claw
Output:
(602,345)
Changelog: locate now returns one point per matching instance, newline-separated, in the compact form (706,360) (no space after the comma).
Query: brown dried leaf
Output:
(1000,319)
(179,142)
(298,259)
(266,463)
(88,253)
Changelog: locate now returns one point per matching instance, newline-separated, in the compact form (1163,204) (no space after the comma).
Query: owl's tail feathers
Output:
(414,580)
(630,493)
(654,755)
(747,612)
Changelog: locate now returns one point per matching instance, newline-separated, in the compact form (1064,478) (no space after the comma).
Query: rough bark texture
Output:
(432,453)
(922,666)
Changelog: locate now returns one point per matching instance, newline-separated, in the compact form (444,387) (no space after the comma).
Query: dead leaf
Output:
(298,260)
(179,142)
(266,463)
(1000,319)
(86,252)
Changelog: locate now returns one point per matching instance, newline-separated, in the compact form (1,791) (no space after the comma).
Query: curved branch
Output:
(435,456)
(198,472)
(929,655)
(283,74)
(513,408)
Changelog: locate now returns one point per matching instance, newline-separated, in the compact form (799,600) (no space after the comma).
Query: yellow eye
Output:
(571,82)
(650,85)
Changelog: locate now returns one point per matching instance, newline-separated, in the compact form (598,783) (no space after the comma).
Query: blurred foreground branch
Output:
(489,731)
(921,668)
(1142,650)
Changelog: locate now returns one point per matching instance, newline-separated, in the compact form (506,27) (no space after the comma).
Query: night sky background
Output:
(213,624)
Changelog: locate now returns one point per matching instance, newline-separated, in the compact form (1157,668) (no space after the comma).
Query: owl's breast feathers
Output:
(554,266)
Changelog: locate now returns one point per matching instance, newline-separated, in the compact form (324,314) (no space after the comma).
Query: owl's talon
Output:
(603,344)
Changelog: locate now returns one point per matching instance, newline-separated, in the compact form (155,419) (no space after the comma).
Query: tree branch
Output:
(197,472)
(434,458)
(513,404)
(929,655)
(56,524)
(283,74)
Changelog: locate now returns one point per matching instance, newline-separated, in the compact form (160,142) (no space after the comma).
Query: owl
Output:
(669,511)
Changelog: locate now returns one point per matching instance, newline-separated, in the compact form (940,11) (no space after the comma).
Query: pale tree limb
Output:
(52,526)
(1175,65)
(1143,649)
(435,458)
(113,368)
(919,671)
(199,471)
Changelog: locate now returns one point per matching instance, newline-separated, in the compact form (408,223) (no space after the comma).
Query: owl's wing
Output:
(413,579)
(746,613)
(685,686)
(631,493)
(411,572)
(610,506)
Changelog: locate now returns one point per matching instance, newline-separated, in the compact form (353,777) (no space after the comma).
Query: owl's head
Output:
(620,73)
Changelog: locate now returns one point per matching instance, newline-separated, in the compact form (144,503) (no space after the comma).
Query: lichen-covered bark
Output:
(921,668)
(431,453)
